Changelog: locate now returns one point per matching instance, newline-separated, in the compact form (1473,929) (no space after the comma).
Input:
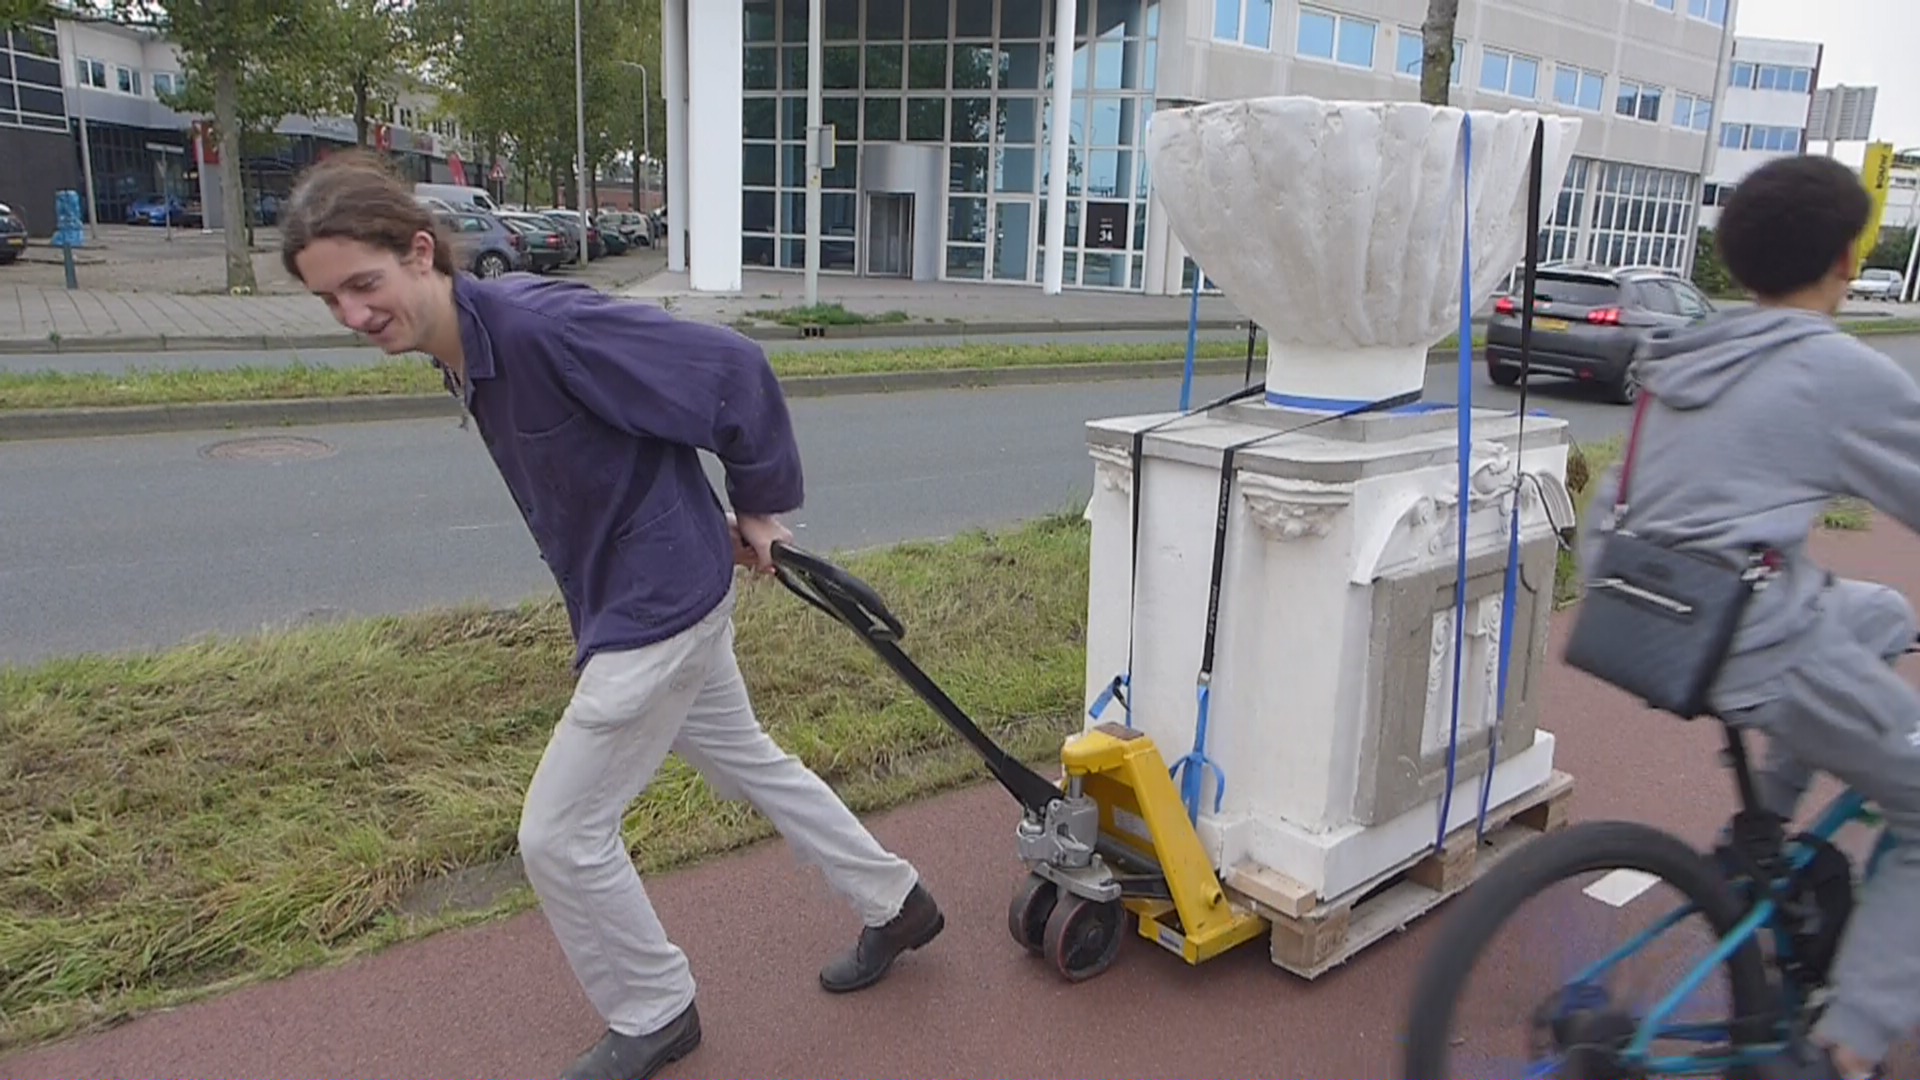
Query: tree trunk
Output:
(638,162)
(1436,64)
(360,109)
(233,187)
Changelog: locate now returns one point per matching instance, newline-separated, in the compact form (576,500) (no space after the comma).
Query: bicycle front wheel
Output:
(1578,1026)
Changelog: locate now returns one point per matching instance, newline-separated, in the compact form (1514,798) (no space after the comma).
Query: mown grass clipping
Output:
(247,807)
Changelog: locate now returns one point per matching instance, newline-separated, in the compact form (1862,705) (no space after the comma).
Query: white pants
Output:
(629,709)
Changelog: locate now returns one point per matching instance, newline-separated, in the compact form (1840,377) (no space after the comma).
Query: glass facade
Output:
(1616,214)
(32,94)
(973,77)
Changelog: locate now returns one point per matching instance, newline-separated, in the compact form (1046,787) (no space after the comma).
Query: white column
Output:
(1159,260)
(1062,112)
(716,35)
(673,75)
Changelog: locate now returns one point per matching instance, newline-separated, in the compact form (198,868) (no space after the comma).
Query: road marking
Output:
(1621,887)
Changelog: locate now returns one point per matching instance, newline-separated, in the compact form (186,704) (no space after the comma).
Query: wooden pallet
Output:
(1312,935)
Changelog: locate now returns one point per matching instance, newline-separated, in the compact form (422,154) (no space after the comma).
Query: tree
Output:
(508,69)
(1436,64)
(364,46)
(245,61)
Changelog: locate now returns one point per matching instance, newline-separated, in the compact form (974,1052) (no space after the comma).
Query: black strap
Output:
(1537,169)
(1136,459)
(1226,503)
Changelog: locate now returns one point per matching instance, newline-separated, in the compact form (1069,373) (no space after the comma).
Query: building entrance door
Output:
(889,235)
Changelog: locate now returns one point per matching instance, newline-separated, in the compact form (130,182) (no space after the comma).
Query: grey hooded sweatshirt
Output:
(1759,418)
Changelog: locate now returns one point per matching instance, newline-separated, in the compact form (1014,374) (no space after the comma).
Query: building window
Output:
(1342,39)
(1410,57)
(1638,101)
(1502,72)
(1579,88)
(1777,140)
(1247,22)
(1733,136)
(91,73)
(983,100)
(1692,112)
(1560,238)
(1713,11)
(1642,216)
(1748,76)
(162,83)
(127,79)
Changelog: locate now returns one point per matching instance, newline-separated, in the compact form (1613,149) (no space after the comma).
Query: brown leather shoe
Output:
(918,923)
(638,1057)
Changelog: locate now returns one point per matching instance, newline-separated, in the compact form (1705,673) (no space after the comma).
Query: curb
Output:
(767,332)
(782,332)
(145,343)
(27,424)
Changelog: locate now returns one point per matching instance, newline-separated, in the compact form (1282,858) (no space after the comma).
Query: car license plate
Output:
(1554,324)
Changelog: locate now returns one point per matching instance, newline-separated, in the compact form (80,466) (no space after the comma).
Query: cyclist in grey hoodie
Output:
(1758,418)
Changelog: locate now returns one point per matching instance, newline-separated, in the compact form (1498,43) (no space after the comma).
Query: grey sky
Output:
(1869,43)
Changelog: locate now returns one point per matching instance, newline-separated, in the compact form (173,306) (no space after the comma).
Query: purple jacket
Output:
(594,408)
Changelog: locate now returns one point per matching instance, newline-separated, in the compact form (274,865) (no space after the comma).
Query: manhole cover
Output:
(268,448)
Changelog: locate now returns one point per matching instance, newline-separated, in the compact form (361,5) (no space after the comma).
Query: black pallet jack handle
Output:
(853,602)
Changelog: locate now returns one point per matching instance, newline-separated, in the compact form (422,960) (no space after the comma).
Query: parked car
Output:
(633,227)
(156,210)
(13,234)
(570,221)
(548,245)
(483,244)
(1876,285)
(1587,321)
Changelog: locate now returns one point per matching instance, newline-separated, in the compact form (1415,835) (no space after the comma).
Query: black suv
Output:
(1587,321)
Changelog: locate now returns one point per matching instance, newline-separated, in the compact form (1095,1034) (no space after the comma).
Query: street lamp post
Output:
(580,130)
(646,122)
(814,148)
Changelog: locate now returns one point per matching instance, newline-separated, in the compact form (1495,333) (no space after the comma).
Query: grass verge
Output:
(298,381)
(67,390)
(827,315)
(173,822)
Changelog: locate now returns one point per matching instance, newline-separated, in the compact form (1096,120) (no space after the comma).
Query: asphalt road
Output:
(147,541)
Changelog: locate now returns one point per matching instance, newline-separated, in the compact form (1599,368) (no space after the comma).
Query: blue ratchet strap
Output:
(1535,191)
(1193,340)
(1119,687)
(1191,769)
(1464,412)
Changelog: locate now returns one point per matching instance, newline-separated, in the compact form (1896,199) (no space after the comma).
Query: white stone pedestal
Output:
(1333,675)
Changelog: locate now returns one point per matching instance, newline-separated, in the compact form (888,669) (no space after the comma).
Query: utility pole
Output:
(580,129)
(815,149)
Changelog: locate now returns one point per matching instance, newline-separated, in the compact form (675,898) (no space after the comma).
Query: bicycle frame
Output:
(1842,810)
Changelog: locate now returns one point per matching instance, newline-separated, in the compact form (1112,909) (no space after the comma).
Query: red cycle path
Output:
(498,1000)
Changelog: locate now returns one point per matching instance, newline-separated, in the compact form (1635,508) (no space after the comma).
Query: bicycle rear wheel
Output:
(1591,1033)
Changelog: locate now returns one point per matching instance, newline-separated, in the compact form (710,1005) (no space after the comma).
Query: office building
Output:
(943,114)
(1764,112)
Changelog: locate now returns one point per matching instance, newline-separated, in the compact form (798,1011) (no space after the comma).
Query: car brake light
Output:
(1504,305)
(1606,316)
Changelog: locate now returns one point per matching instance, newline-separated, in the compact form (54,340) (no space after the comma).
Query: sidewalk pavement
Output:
(497,1000)
(41,319)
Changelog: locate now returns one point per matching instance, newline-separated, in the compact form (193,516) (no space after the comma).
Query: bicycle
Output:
(1777,903)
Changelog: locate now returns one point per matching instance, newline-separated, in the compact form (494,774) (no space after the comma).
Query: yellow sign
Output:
(1876,173)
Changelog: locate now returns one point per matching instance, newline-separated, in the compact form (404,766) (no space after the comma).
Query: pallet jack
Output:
(1115,840)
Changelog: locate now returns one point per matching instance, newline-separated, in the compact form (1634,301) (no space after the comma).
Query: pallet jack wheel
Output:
(1027,916)
(1083,936)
